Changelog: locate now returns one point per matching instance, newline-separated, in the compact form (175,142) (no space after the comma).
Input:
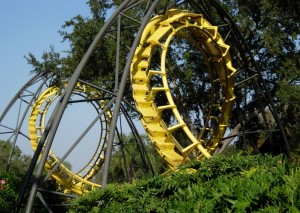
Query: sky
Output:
(32,26)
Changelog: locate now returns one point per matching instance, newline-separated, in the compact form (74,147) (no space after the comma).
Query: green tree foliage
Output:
(50,63)
(19,161)
(271,30)
(133,160)
(11,182)
(236,183)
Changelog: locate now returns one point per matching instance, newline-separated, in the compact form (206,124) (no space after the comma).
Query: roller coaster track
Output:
(158,34)
(78,183)
(198,23)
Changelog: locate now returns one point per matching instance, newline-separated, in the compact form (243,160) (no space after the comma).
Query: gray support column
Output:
(52,126)
(117,54)
(21,123)
(121,92)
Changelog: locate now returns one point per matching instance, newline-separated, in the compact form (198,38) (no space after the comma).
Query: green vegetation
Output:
(132,160)
(11,182)
(231,182)
(271,29)
(236,183)
(18,160)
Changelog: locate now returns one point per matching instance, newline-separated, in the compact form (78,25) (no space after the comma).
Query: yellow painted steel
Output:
(158,35)
(78,183)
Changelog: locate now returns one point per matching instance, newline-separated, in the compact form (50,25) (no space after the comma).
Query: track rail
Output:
(158,34)
(79,182)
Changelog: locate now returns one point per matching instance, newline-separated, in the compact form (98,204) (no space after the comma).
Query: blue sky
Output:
(30,26)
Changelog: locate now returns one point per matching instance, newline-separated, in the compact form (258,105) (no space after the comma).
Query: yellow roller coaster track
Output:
(158,34)
(78,183)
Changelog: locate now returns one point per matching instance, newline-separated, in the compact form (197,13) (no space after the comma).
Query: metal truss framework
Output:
(203,23)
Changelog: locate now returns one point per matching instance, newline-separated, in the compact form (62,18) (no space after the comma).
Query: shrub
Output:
(238,183)
(10,184)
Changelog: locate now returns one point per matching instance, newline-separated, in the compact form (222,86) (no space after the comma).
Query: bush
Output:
(10,184)
(239,183)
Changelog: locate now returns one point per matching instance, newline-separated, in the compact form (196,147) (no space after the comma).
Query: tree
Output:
(11,181)
(19,162)
(133,160)
(272,38)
